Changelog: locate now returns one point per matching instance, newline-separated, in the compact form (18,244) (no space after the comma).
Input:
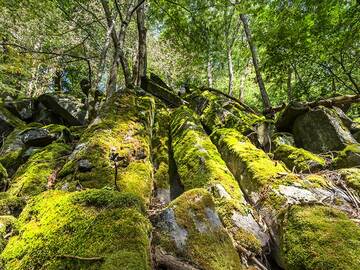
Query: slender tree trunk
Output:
(289,86)
(231,71)
(58,81)
(111,89)
(209,73)
(254,54)
(142,50)
(243,78)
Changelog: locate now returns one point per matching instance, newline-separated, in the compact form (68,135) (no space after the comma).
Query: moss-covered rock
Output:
(218,112)
(190,228)
(7,224)
(348,157)
(8,122)
(40,171)
(274,191)
(59,230)
(299,159)
(200,165)
(319,237)
(321,130)
(3,177)
(123,129)
(10,204)
(160,155)
(198,162)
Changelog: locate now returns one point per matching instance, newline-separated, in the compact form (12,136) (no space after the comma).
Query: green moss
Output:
(91,223)
(319,238)
(7,224)
(160,148)
(62,133)
(10,118)
(207,244)
(250,165)
(349,157)
(123,127)
(10,205)
(298,159)
(12,150)
(352,178)
(33,177)
(198,162)
(220,113)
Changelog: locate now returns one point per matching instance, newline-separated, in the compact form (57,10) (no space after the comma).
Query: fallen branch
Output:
(330,102)
(90,259)
(170,262)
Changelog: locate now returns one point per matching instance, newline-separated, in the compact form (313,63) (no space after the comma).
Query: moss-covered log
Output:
(288,204)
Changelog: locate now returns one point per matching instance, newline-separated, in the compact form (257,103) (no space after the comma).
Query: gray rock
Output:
(321,130)
(8,123)
(23,108)
(84,165)
(169,224)
(249,224)
(70,110)
(37,137)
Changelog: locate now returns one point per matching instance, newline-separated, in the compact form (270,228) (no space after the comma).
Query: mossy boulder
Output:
(59,230)
(8,123)
(198,162)
(348,157)
(274,190)
(190,228)
(3,177)
(200,165)
(160,155)
(40,171)
(122,129)
(219,112)
(319,237)
(12,151)
(321,130)
(298,159)
(281,138)
(10,204)
(7,227)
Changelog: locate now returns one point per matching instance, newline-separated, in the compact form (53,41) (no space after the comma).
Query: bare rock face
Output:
(321,130)
(68,110)
(23,108)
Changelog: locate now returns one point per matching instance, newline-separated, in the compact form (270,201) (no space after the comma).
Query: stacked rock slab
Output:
(306,229)
(207,223)
(87,224)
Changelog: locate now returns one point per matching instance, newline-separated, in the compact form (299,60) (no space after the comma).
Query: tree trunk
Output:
(243,77)
(254,54)
(209,73)
(57,81)
(231,71)
(142,50)
(289,86)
